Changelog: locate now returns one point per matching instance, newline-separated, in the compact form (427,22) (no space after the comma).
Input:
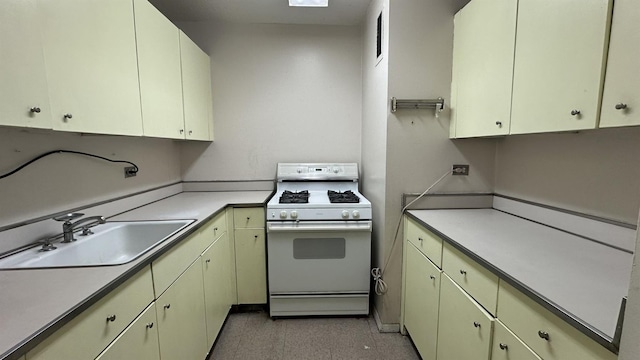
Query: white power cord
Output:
(380,286)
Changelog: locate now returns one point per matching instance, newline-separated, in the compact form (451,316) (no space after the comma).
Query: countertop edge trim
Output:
(559,311)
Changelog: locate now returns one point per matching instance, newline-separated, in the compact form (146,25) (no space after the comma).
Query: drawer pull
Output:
(37,110)
(432,277)
(207,261)
(476,324)
(503,346)
(215,229)
(463,272)
(621,106)
(149,325)
(420,239)
(111,318)
(575,112)
(543,335)
(248,218)
(167,306)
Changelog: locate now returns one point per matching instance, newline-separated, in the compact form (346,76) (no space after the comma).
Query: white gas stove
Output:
(319,241)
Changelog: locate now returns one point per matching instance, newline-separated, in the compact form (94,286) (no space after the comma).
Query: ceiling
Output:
(339,12)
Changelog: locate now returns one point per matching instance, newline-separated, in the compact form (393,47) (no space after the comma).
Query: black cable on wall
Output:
(68,152)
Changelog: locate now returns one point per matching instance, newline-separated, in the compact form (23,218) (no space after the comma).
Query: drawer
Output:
(428,243)
(248,218)
(168,267)
(479,282)
(213,229)
(507,346)
(531,322)
(91,331)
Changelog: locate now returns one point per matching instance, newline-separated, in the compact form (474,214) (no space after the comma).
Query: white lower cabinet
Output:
(180,310)
(464,328)
(507,346)
(138,341)
(421,302)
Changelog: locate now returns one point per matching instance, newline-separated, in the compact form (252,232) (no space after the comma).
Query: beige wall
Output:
(418,149)
(281,93)
(593,172)
(375,79)
(63,181)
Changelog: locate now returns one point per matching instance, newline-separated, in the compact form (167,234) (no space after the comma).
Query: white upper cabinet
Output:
(622,86)
(196,91)
(158,43)
(561,47)
(483,51)
(24,97)
(91,62)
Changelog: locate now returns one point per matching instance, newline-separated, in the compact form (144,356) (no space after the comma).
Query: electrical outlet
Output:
(460,170)
(130,171)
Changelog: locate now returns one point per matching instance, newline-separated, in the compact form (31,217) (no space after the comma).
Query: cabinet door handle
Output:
(476,324)
(543,335)
(167,306)
(575,112)
(420,239)
(255,237)
(215,229)
(463,272)
(111,318)
(149,325)
(620,106)
(67,117)
(432,277)
(35,109)
(503,346)
(207,261)
(190,132)
(499,123)
(181,131)
(248,218)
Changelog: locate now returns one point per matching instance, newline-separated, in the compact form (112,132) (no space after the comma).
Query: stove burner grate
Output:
(290,197)
(343,197)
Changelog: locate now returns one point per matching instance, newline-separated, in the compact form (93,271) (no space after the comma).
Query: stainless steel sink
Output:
(113,243)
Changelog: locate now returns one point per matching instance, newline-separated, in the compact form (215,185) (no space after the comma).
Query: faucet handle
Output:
(68,217)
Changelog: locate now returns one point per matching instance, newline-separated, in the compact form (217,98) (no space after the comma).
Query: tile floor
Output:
(253,335)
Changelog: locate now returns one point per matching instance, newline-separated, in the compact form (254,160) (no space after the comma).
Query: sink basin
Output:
(112,243)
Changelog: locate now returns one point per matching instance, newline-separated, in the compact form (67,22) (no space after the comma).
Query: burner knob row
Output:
(283,214)
(355,214)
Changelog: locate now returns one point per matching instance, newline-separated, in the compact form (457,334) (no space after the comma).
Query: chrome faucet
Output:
(68,226)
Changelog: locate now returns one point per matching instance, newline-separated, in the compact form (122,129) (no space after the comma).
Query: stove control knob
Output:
(345,214)
(283,214)
(294,214)
(336,170)
(356,214)
(299,170)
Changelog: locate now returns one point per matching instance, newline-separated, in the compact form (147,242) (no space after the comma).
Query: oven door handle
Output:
(319,226)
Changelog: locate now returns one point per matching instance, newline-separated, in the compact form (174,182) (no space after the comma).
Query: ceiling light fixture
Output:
(309,3)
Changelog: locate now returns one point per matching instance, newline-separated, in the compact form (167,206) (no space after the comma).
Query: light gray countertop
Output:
(582,279)
(34,303)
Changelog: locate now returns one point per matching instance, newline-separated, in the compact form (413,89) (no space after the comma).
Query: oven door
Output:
(319,257)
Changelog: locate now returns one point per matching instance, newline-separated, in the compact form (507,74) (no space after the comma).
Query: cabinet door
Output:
(23,80)
(464,328)
(484,38)
(559,64)
(181,317)
(507,346)
(421,302)
(158,45)
(217,285)
(138,341)
(92,70)
(251,268)
(622,86)
(196,90)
